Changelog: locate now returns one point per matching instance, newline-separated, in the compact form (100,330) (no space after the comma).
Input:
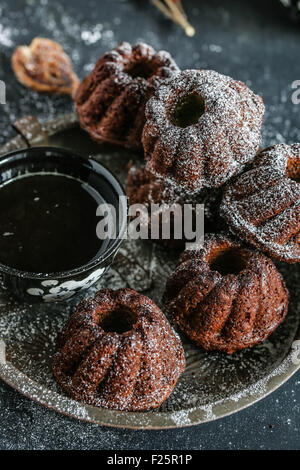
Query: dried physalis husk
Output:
(44,66)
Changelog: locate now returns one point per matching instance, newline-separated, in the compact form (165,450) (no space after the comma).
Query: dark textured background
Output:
(251,40)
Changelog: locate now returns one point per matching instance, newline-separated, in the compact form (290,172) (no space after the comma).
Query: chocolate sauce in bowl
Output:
(48,223)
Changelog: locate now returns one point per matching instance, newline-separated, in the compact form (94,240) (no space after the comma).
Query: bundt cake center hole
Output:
(228,262)
(118,321)
(188,110)
(143,69)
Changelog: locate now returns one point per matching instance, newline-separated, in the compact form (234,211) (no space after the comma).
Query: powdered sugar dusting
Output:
(263,205)
(225,138)
(5,36)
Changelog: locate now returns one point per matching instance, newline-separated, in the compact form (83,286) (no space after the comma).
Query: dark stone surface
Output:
(249,40)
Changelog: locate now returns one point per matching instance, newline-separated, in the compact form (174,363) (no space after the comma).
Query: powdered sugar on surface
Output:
(263,204)
(210,378)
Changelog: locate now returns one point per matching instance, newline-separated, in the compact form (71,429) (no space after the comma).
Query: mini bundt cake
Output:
(110,102)
(144,188)
(263,205)
(201,129)
(153,193)
(118,351)
(226,296)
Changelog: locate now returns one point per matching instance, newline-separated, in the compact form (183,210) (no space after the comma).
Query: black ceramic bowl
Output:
(57,286)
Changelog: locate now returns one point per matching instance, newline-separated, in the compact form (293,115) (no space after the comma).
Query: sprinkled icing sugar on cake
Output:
(263,205)
(217,145)
(5,36)
(225,296)
(134,369)
(111,100)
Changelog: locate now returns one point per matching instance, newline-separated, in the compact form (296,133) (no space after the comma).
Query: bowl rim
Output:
(97,168)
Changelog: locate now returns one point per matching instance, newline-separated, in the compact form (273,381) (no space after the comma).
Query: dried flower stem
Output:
(174,10)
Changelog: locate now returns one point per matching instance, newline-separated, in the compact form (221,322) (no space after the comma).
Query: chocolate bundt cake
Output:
(144,188)
(226,296)
(118,351)
(110,102)
(201,129)
(154,194)
(263,205)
